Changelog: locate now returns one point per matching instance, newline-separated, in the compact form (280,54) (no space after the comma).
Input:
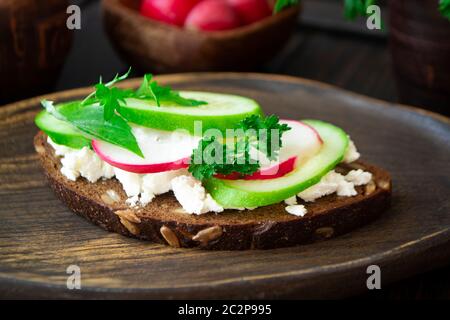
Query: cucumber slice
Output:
(222,112)
(60,131)
(254,193)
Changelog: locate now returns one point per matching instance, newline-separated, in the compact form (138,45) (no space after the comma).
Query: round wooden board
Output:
(40,238)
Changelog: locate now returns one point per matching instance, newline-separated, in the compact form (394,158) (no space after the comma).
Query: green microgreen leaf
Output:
(283,4)
(444,8)
(150,89)
(90,98)
(356,8)
(111,99)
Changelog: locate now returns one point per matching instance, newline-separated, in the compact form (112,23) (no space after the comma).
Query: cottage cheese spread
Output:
(141,189)
(352,154)
(333,182)
(82,162)
(192,196)
(297,210)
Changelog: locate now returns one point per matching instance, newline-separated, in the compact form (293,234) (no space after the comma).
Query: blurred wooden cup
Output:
(34,43)
(420,47)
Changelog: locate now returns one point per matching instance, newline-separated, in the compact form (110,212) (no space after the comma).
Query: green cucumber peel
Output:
(254,193)
(222,112)
(61,132)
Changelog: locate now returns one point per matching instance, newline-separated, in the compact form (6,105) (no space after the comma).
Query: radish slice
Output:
(163,151)
(271,172)
(299,144)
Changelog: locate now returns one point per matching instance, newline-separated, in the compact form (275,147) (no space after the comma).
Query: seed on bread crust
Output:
(130,226)
(128,215)
(325,232)
(370,188)
(110,197)
(39,149)
(385,185)
(113,194)
(170,237)
(209,234)
(180,210)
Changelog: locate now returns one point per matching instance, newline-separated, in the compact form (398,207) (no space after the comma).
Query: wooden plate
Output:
(40,238)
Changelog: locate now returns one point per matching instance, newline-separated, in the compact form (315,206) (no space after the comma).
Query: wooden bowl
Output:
(154,46)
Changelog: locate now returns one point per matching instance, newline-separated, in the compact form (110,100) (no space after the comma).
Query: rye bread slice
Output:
(163,220)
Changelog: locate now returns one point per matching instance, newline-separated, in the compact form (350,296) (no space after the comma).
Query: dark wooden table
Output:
(324,48)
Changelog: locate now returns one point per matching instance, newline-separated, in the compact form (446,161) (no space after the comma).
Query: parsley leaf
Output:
(150,89)
(230,160)
(355,8)
(111,99)
(214,158)
(282,4)
(90,99)
(264,129)
(444,8)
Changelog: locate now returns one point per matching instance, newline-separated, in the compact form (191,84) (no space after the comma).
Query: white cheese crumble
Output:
(335,182)
(142,188)
(291,201)
(358,177)
(297,210)
(193,197)
(327,185)
(82,162)
(351,154)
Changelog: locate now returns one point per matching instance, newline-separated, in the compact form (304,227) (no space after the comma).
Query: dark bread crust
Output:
(163,221)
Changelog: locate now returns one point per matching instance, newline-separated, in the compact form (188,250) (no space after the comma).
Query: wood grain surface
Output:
(40,238)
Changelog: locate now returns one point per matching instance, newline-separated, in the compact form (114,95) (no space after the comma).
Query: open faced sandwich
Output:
(201,169)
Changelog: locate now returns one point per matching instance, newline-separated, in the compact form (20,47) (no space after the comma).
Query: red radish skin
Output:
(141,168)
(273,172)
(212,15)
(169,11)
(250,11)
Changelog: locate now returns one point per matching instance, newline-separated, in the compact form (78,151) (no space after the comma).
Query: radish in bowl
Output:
(212,15)
(168,11)
(250,11)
